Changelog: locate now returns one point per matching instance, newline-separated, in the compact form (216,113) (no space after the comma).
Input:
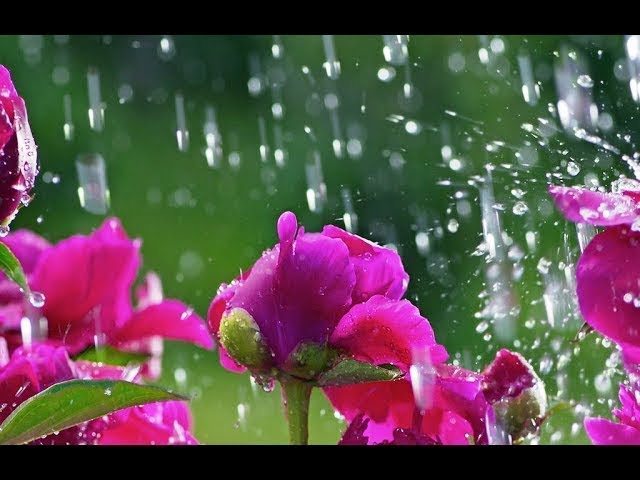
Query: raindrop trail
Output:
(182,134)
(395,49)
(279,153)
(530,89)
(331,65)
(96,109)
(316,188)
(213,151)
(332,103)
(264,146)
(67,128)
(349,217)
(93,191)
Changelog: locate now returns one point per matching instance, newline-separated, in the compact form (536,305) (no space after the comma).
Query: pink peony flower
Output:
(459,404)
(18,156)
(86,281)
(608,280)
(32,370)
(626,431)
(330,289)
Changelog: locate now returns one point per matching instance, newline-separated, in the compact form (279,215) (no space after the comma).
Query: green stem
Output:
(295,398)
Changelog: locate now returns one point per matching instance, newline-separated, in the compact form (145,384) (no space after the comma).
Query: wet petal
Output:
(608,284)
(604,209)
(605,432)
(165,423)
(77,276)
(170,319)
(379,270)
(390,405)
(386,331)
(298,294)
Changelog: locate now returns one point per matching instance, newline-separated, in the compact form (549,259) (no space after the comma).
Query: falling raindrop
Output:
(166,48)
(93,191)
(331,65)
(182,134)
(67,127)
(96,107)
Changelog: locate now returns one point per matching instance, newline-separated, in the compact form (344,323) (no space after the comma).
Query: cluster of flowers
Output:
(608,288)
(86,283)
(316,310)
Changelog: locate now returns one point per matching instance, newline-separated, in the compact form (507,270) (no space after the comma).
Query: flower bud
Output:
(241,337)
(516,393)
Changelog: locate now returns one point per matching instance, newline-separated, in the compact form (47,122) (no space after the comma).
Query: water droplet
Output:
(543,265)
(573,169)
(36,299)
(545,365)
(520,208)
(107,392)
(482,326)
(4,230)
(585,81)
(602,383)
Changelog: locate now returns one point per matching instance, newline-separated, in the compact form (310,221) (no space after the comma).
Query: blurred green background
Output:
(202,224)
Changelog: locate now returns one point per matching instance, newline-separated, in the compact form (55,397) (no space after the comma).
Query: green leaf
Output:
(113,356)
(11,267)
(350,371)
(70,403)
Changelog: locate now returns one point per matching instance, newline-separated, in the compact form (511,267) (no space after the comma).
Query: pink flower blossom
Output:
(87,281)
(32,370)
(330,289)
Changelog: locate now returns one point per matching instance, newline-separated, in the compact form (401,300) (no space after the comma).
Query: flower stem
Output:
(295,399)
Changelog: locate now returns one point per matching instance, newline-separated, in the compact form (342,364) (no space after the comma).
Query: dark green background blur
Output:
(201,225)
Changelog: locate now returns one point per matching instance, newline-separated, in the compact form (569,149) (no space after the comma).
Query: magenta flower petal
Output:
(298,291)
(170,319)
(388,405)
(379,270)
(605,432)
(18,156)
(459,382)
(27,247)
(385,331)
(31,371)
(454,429)
(604,209)
(164,423)
(78,276)
(608,284)
(214,316)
